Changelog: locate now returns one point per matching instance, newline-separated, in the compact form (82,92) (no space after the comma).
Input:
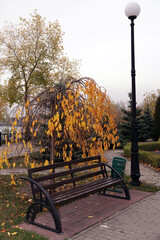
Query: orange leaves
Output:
(27,104)
(13,181)
(78,119)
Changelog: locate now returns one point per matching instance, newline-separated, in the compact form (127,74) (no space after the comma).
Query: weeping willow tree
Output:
(75,117)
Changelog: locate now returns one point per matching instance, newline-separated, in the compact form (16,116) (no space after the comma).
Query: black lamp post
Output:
(132,10)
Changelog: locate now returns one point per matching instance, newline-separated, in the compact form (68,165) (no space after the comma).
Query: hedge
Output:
(151,146)
(145,153)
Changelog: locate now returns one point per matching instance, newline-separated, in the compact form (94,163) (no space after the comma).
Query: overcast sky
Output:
(97,32)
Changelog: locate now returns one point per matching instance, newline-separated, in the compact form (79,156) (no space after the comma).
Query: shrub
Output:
(150,158)
(151,146)
(127,150)
(145,153)
(156,122)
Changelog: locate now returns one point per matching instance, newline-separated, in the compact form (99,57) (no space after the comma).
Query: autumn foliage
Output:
(76,116)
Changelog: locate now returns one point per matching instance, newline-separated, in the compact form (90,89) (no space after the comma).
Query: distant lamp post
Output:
(132,10)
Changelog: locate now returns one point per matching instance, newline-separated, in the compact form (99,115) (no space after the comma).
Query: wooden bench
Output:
(83,177)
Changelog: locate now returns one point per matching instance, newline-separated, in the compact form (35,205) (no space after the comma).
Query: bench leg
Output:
(37,207)
(125,189)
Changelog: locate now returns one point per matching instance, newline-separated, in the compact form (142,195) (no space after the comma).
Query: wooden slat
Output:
(65,173)
(77,193)
(62,164)
(67,181)
(80,187)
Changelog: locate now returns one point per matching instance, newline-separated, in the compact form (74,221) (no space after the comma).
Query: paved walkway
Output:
(140,221)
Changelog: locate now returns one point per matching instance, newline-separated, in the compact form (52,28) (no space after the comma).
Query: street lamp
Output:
(132,10)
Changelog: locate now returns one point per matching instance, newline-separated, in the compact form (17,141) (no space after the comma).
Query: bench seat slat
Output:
(84,186)
(82,191)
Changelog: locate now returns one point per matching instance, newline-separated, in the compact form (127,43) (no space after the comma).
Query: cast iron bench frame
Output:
(45,196)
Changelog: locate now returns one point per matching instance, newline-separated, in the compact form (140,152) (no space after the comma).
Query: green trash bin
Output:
(118,164)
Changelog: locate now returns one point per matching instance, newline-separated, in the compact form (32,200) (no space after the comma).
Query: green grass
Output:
(13,207)
(143,187)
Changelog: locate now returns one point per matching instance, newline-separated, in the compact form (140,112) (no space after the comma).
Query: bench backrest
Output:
(68,174)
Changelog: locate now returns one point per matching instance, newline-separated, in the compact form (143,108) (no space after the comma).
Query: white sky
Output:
(98,33)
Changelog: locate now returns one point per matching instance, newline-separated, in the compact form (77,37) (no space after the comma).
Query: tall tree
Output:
(32,56)
(146,124)
(150,99)
(125,126)
(156,122)
(3,105)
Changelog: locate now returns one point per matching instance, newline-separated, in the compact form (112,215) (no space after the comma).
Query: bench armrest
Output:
(107,165)
(41,189)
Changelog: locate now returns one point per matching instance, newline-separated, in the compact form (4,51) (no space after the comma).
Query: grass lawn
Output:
(13,207)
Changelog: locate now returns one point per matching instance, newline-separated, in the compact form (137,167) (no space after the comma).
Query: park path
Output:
(139,221)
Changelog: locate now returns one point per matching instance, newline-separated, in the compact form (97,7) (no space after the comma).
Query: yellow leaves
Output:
(50,126)
(12,182)
(58,96)
(46,163)
(81,117)
(2,224)
(34,122)
(11,234)
(70,96)
(56,117)
(27,104)
(68,85)
(15,122)
(35,133)
(42,150)
(32,165)
(54,125)
(83,124)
